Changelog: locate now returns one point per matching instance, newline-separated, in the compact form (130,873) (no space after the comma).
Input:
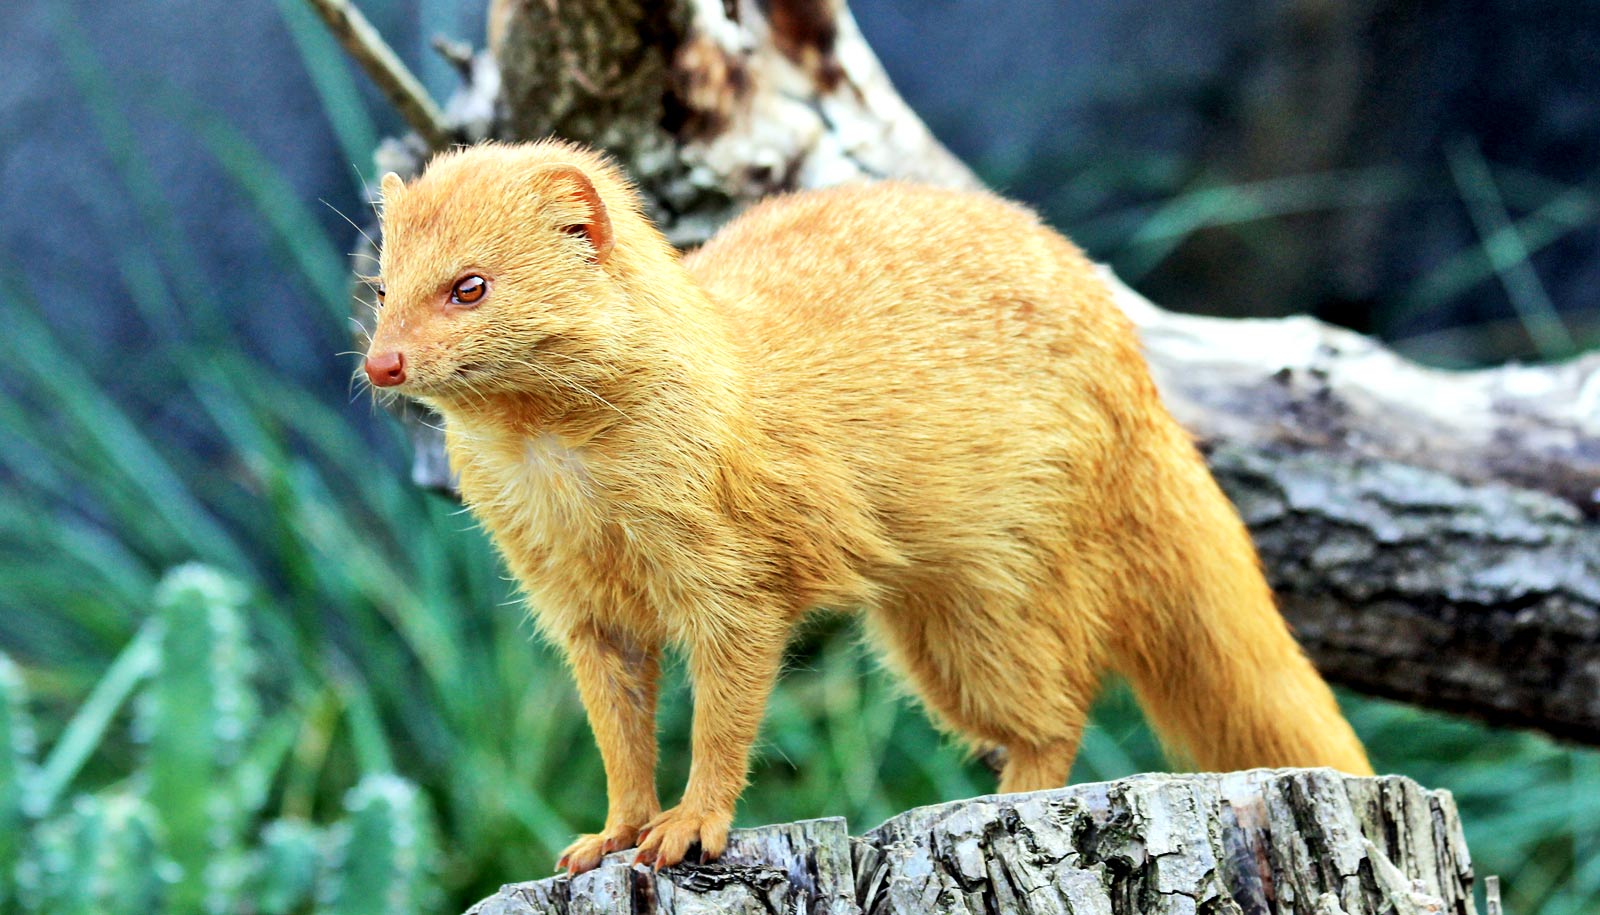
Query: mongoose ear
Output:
(590,218)
(391,185)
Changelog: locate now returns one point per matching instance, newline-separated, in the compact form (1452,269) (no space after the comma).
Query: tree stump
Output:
(1302,841)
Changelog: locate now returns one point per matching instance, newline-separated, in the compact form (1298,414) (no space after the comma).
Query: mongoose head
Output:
(496,273)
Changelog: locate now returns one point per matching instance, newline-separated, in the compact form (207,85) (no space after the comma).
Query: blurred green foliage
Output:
(352,714)
(172,833)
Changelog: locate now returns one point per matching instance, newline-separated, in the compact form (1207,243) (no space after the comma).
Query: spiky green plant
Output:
(167,840)
(197,712)
(16,762)
(284,868)
(383,853)
(102,857)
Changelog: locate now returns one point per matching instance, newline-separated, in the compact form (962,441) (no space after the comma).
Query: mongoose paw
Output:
(665,840)
(585,854)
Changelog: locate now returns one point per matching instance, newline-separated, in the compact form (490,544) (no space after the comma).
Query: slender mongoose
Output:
(915,403)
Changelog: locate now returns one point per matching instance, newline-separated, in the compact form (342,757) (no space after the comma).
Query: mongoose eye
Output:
(379,290)
(468,290)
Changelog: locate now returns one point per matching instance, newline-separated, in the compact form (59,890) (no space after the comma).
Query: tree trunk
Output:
(1307,842)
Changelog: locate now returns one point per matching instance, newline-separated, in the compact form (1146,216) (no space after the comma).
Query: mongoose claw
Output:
(585,853)
(666,840)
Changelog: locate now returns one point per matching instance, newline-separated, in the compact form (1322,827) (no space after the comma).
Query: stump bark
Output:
(1287,841)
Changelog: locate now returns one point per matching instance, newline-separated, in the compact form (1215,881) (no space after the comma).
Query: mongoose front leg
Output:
(733,674)
(616,674)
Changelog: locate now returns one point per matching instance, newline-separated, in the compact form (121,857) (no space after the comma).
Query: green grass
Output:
(1515,215)
(386,637)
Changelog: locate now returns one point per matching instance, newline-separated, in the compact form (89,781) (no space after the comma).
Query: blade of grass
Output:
(428,629)
(1585,823)
(89,546)
(275,198)
(139,180)
(366,730)
(49,612)
(1101,757)
(851,744)
(1548,224)
(254,775)
(1233,204)
(310,752)
(137,268)
(87,728)
(29,346)
(1556,218)
(1507,251)
(335,85)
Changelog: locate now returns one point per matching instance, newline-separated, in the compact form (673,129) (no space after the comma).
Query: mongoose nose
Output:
(386,370)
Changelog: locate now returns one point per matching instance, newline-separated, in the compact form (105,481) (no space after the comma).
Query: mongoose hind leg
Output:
(1035,767)
(1016,676)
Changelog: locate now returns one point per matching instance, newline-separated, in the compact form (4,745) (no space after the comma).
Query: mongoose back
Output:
(917,403)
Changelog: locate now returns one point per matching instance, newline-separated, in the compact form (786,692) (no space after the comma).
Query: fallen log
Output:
(1430,534)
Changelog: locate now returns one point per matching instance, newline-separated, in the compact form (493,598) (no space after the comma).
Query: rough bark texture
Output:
(710,105)
(1297,381)
(1404,582)
(1433,535)
(1306,842)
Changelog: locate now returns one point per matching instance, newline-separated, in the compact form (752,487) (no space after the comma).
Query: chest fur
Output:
(532,488)
(577,545)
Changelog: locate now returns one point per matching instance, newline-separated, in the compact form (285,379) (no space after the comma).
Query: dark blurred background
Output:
(172,317)
(1417,170)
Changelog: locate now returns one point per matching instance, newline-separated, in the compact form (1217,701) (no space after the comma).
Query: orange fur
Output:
(917,402)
